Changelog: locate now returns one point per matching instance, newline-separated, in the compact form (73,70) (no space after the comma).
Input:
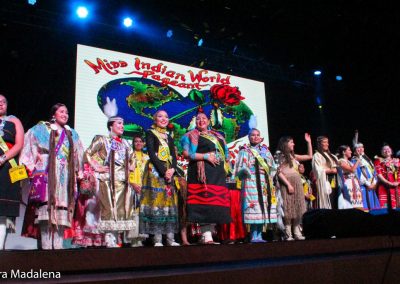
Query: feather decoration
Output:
(216,118)
(253,122)
(110,109)
(192,124)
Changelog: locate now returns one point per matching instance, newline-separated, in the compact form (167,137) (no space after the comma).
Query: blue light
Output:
(339,78)
(170,33)
(31,2)
(200,43)
(318,100)
(128,22)
(317,73)
(82,12)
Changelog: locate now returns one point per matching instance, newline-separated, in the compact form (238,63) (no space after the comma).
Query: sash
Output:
(259,159)
(16,172)
(163,151)
(266,168)
(220,150)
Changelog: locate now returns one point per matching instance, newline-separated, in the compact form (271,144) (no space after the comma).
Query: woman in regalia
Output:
(366,175)
(291,185)
(11,142)
(387,169)
(324,165)
(53,150)
(256,168)
(159,202)
(140,159)
(208,196)
(111,157)
(350,191)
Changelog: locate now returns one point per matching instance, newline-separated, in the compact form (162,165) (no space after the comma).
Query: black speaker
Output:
(325,223)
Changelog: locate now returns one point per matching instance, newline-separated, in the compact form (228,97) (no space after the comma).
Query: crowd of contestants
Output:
(114,194)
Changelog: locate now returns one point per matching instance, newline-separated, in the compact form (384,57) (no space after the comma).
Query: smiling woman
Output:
(11,142)
(52,153)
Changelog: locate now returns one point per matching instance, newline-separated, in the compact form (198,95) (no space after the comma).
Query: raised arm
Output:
(302,158)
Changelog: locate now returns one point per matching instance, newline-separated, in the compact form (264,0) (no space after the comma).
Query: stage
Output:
(346,260)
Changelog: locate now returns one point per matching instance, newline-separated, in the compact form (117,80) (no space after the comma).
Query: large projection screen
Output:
(141,86)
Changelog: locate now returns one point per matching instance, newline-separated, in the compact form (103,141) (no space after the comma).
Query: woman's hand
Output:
(290,188)
(307,137)
(168,174)
(102,169)
(331,171)
(137,188)
(212,158)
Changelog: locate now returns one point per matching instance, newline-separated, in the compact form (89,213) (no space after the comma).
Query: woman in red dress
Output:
(387,169)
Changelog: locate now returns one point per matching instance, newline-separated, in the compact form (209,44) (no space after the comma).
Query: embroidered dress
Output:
(389,169)
(350,191)
(367,176)
(35,156)
(259,201)
(293,204)
(140,159)
(9,192)
(326,184)
(208,200)
(159,201)
(114,192)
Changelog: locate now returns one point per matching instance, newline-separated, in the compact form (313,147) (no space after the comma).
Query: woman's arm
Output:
(302,158)
(19,140)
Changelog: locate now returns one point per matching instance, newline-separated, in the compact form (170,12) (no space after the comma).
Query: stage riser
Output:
(351,260)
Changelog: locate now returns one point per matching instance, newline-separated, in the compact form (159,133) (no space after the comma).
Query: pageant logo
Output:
(159,72)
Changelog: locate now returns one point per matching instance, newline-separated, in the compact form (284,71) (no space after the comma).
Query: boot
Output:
(157,239)
(259,237)
(254,236)
(171,241)
(206,239)
(297,233)
(288,233)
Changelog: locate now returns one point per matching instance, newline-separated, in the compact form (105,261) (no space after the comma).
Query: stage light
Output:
(200,42)
(318,101)
(339,78)
(82,12)
(128,22)
(320,106)
(170,33)
(317,72)
(31,2)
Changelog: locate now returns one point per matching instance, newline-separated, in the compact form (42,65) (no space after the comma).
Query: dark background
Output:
(278,42)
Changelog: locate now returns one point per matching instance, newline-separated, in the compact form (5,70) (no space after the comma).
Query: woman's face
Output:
(347,153)
(118,127)
(202,122)
(161,119)
(138,144)
(291,145)
(301,169)
(360,150)
(3,105)
(255,137)
(61,116)
(386,152)
(324,144)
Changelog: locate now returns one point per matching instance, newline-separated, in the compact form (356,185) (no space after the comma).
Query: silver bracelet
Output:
(3,159)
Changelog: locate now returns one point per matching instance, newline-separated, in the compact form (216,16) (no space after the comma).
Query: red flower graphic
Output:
(226,94)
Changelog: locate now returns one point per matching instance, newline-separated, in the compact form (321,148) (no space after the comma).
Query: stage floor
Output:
(347,260)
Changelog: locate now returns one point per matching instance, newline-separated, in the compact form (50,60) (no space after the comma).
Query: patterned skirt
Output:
(158,204)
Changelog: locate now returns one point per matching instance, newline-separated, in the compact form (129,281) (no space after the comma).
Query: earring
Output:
(53,119)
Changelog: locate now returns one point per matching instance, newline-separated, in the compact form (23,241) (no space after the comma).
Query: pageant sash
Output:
(260,159)
(214,140)
(163,151)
